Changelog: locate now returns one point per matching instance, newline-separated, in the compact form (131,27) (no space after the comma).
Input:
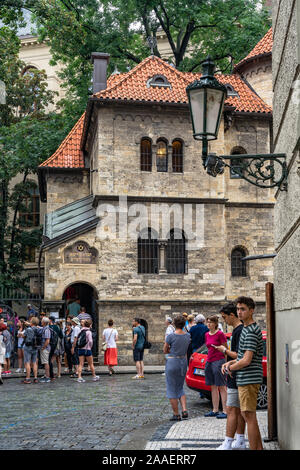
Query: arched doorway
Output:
(87,295)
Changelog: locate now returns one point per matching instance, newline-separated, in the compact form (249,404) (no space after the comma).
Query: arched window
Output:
(146,154)
(235,165)
(30,213)
(162,156)
(176,259)
(238,266)
(148,252)
(177,156)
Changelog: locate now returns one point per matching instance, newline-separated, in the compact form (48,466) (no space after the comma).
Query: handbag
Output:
(147,344)
(104,344)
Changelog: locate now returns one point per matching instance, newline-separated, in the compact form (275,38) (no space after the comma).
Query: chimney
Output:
(100,61)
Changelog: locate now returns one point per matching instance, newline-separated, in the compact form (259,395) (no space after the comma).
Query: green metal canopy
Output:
(70,220)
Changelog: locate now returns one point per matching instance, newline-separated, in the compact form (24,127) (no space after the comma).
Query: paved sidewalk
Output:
(200,434)
(100,370)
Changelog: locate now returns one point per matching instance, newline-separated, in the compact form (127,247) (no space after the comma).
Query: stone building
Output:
(286,85)
(129,166)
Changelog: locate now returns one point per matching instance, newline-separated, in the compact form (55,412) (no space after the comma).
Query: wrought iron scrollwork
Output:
(263,171)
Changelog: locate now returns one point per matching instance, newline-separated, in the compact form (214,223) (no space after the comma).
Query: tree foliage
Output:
(193,28)
(28,135)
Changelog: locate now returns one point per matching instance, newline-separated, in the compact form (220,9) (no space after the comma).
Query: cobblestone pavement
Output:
(66,414)
(114,413)
(200,434)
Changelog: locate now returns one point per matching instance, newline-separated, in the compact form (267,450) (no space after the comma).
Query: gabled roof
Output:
(133,86)
(68,154)
(263,47)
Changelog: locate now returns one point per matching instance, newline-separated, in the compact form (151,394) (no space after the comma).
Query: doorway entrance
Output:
(87,296)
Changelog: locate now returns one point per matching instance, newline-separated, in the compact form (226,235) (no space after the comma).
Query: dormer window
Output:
(231,91)
(158,81)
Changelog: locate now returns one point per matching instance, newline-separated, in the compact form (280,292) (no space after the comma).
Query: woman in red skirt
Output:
(110,336)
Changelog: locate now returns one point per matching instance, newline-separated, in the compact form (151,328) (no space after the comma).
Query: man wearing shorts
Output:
(235,421)
(31,350)
(138,348)
(249,369)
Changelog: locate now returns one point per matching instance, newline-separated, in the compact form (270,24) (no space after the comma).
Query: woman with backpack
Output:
(85,344)
(110,337)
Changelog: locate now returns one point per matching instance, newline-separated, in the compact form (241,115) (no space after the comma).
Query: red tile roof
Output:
(68,154)
(263,47)
(132,86)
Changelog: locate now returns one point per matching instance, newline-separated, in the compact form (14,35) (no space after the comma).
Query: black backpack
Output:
(82,339)
(53,339)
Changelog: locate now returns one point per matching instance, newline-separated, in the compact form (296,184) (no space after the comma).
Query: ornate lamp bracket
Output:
(262,170)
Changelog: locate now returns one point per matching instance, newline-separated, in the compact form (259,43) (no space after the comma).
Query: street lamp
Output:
(206,100)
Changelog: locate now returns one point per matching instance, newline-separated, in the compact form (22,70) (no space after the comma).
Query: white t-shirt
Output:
(170,329)
(75,332)
(110,335)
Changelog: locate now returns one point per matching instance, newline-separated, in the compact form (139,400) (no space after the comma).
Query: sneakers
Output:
(6,372)
(80,380)
(141,377)
(221,416)
(211,414)
(18,371)
(45,380)
(238,444)
(136,377)
(224,446)
(96,378)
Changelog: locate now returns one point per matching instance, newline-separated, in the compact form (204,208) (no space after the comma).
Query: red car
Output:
(195,377)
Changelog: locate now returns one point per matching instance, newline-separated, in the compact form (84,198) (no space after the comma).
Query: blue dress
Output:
(176,367)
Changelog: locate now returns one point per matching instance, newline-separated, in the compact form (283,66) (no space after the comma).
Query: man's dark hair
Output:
(138,320)
(179,322)
(110,322)
(247,301)
(228,309)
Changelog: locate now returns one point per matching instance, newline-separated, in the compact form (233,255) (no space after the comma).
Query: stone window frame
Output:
(160,264)
(181,155)
(159,81)
(144,164)
(243,268)
(237,150)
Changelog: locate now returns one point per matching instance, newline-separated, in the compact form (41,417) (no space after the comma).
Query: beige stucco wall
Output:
(259,74)
(286,55)
(38,55)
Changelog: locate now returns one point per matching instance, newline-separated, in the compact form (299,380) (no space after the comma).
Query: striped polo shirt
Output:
(251,340)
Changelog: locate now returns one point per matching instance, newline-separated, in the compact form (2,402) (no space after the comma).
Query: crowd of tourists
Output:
(234,373)
(43,341)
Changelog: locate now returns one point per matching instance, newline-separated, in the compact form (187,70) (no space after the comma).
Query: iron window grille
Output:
(238,265)
(162,156)
(176,259)
(177,156)
(146,155)
(147,253)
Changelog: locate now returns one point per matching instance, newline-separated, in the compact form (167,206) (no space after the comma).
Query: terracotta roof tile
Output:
(132,86)
(264,46)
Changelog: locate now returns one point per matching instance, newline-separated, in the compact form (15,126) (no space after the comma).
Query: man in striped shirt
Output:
(248,368)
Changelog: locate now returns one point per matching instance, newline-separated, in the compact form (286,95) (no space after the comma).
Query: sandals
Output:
(184,415)
(26,381)
(175,418)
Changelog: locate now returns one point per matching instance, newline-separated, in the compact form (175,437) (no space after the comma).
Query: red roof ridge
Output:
(74,157)
(264,46)
(135,69)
